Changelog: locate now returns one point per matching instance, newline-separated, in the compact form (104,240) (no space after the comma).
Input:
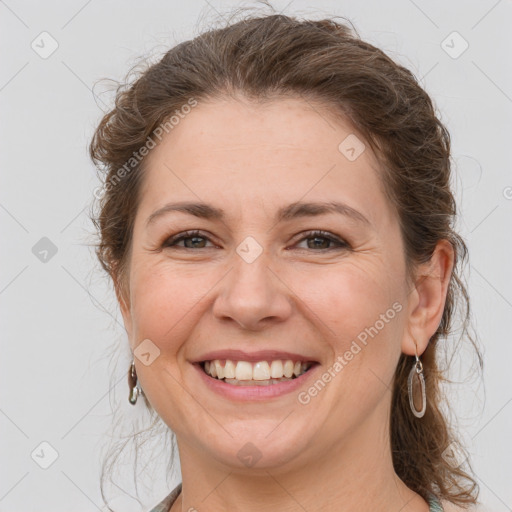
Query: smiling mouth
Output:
(243,373)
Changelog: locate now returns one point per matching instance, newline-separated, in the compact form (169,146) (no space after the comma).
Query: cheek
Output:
(163,302)
(358,311)
(348,298)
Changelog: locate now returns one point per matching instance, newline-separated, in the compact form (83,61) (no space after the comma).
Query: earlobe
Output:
(428,299)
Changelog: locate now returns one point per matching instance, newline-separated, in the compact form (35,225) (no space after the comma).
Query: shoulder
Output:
(166,504)
(450,507)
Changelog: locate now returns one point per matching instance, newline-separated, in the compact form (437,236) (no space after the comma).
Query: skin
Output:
(332,454)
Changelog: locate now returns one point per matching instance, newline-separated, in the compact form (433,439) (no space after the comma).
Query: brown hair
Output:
(264,57)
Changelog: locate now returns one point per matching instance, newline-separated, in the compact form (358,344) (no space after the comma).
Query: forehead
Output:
(246,155)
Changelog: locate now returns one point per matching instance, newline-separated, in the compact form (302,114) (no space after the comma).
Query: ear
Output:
(122,294)
(427,299)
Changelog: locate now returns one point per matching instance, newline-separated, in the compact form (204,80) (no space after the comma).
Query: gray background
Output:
(59,319)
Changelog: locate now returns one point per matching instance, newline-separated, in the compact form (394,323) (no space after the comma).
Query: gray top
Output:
(166,503)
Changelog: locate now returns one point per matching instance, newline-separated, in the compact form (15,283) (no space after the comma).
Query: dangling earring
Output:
(416,374)
(133,384)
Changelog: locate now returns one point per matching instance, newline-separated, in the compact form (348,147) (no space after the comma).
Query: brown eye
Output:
(322,240)
(192,240)
(316,240)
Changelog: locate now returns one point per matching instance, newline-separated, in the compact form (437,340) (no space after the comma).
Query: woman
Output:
(277,221)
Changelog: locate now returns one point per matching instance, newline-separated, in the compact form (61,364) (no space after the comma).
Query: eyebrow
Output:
(285,213)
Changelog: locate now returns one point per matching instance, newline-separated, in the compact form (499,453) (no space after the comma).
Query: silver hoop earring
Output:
(415,380)
(133,384)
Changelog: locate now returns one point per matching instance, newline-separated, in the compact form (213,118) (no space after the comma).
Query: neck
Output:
(357,474)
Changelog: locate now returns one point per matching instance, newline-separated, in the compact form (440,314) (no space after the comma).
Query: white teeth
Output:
(276,369)
(219,369)
(288,368)
(243,370)
(229,370)
(260,371)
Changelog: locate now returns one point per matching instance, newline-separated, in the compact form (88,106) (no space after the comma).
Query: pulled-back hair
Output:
(264,57)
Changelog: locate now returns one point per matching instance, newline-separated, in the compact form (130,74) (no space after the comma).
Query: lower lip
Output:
(244,393)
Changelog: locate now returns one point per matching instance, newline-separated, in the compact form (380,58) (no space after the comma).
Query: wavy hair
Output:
(324,61)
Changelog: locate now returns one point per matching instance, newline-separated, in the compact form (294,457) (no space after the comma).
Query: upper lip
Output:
(254,357)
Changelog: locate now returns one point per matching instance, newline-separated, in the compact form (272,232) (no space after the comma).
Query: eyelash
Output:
(171,241)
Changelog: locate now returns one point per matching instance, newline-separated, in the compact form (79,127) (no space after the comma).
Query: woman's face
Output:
(256,281)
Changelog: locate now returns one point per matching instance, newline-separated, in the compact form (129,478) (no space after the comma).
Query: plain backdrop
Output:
(59,318)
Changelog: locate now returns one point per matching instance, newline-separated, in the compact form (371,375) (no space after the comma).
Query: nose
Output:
(252,295)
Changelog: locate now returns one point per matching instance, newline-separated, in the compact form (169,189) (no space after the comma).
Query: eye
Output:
(194,236)
(322,238)
(197,239)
